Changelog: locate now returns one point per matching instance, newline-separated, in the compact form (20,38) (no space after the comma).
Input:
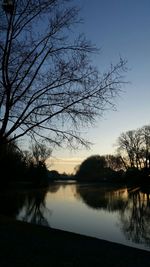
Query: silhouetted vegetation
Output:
(55,176)
(134,149)
(134,146)
(21,168)
(131,165)
(49,104)
(36,101)
(97,169)
(12,164)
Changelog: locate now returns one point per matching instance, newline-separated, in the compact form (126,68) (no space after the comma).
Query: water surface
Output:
(116,214)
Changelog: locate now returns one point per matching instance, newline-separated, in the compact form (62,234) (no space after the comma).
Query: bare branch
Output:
(48,83)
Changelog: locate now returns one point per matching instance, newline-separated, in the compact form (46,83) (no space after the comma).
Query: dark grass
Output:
(25,245)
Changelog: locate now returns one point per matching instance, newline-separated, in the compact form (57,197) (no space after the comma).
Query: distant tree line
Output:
(131,164)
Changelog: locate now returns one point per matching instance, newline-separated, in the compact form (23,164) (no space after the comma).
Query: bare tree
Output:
(131,142)
(126,144)
(115,162)
(135,144)
(145,151)
(48,86)
(40,152)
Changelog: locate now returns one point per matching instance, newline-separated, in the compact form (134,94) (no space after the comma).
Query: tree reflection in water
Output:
(27,205)
(107,198)
(35,207)
(133,206)
(136,218)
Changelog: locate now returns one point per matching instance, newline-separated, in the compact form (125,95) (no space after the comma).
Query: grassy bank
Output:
(25,245)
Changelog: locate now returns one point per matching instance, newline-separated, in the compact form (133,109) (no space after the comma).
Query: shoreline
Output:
(24,244)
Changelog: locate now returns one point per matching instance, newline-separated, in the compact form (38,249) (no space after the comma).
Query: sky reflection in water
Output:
(116,214)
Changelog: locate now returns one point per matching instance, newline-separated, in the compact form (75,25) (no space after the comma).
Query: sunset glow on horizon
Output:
(67,165)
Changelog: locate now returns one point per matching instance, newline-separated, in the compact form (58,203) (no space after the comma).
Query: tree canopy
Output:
(92,168)
(134,146)
(48,86)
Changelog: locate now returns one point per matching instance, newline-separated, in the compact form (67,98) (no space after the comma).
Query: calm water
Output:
(116,214)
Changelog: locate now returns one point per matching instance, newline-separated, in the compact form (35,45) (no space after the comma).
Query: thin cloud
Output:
(67,160)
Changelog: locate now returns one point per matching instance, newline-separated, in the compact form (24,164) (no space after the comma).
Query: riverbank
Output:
(26,245)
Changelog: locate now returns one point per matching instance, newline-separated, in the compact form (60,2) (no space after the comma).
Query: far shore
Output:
(23,244)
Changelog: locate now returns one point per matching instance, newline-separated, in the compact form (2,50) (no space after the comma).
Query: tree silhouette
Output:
(92,168)
(145,150)
(130,142)
(48,87)
(135,146)
(114,162)
(40,152)
(12,163)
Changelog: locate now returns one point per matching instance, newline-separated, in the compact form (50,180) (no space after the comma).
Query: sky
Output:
(118,28)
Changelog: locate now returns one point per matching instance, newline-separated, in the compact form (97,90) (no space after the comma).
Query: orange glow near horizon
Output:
(62,165)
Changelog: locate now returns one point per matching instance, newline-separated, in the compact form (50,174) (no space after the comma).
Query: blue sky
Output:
(119,28)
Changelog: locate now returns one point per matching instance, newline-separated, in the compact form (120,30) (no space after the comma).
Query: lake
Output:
(113,213)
